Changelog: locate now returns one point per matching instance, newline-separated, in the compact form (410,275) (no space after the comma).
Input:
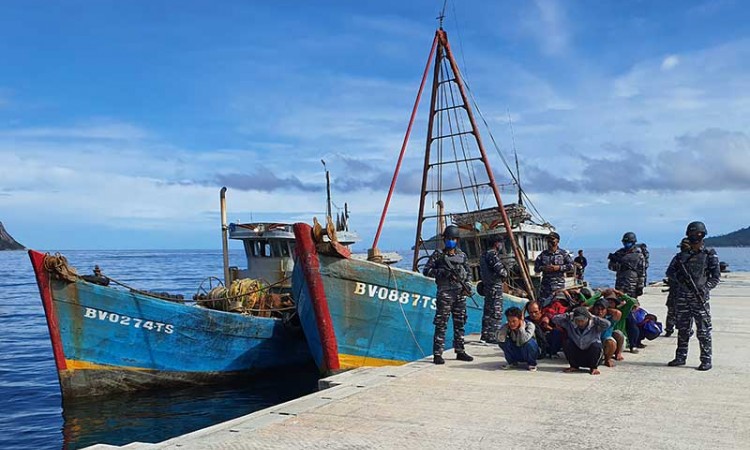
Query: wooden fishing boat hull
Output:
(358,313)
(106,340)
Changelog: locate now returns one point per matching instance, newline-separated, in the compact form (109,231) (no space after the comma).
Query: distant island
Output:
(7,242)
(739,238)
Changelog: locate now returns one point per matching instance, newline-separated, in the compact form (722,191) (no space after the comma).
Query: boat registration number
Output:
(394,295)
(106,316)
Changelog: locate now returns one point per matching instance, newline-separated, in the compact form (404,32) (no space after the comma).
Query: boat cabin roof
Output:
(261,230)
(281,231)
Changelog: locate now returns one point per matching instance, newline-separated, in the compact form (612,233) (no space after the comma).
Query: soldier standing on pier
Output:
(671,315)
(450,268)
(630,265)
(552,263)
(493,273)
(696,271)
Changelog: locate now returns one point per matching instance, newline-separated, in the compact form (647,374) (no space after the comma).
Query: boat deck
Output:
(640,403)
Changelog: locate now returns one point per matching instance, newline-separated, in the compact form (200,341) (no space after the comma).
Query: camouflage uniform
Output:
(671,314)
(552,281)
(703,267)
(630,267)
(450,299)
(493,272)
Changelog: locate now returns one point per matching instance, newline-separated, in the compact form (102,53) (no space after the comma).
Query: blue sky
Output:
(120,121)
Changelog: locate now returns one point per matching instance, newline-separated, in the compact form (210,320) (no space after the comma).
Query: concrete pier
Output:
(641,403)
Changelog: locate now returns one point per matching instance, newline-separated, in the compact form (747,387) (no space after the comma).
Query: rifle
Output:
(688,280)
(466,289)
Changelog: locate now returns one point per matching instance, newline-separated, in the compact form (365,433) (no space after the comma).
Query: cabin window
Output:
(280,249)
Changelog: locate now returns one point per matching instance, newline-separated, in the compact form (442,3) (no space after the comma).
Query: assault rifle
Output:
(688,280)
(466,289)
(618,260)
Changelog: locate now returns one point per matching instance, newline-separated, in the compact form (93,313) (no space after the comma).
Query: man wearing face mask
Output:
(552,263)
(629,264)
(695,271)
(450,268)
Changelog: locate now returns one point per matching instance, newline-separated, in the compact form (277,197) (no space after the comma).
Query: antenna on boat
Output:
(515,155)
(328,189)
(441,17)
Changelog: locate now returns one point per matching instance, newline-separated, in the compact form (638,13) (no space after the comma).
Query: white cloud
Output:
(550,27)
(670,62)
(99,129)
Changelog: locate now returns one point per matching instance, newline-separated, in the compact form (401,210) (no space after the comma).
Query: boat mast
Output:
(515,155)
(444,51)
(328,190)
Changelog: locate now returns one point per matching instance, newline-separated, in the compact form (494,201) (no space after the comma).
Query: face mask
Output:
(628,244)
(450,244)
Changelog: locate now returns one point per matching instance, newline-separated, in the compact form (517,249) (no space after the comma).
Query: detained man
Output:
(612,340)
(516,338)
(584,345)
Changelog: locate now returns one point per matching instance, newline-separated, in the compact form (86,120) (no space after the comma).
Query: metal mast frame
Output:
(444,51)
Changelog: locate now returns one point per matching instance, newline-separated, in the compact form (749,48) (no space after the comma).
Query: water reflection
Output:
(154,416)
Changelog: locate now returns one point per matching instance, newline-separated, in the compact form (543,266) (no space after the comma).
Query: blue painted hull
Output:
(107,339)
(379,315)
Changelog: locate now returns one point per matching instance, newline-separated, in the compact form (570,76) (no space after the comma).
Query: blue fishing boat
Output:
(365,313)
(106,339)
(359,313)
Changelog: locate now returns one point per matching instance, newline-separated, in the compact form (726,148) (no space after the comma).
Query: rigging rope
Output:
(462,139)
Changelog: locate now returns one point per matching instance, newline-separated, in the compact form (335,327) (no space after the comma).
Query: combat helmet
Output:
(696,227)
(629,237)
(451,232)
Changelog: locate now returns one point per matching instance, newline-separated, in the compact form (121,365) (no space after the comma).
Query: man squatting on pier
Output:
(450,268)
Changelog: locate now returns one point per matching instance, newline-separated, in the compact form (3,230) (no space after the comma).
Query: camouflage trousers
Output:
(449,302)
(629,289)
(689,309)
(547,289)
(671,313)
(493,312)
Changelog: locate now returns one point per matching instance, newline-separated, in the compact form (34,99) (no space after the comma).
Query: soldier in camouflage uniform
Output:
(552,263)
(493,273)
(672,283)
(630,265)
(450,268)
(696,271)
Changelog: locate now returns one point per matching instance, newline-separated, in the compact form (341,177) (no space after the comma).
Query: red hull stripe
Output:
(307,256)
(42,280)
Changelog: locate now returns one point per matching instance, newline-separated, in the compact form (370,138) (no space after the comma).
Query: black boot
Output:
(676,362)
(463,356)
(437,359)
(704,366)
(668,333)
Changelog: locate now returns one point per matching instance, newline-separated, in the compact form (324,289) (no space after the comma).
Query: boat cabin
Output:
(269,251)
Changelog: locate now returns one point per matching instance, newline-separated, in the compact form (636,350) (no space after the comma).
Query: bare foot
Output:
(609,363)
(619,357)
(570,370)
(594,372)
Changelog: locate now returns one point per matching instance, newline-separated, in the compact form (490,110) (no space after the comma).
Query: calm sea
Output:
(31,412)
